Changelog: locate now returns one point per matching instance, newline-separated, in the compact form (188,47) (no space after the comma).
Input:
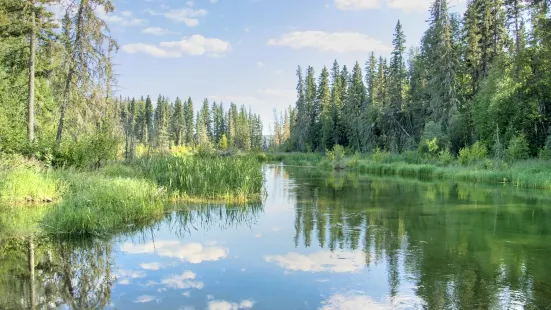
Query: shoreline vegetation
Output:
(126,193)
(529,174)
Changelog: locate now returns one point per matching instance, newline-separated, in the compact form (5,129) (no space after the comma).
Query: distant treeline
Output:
(484,76)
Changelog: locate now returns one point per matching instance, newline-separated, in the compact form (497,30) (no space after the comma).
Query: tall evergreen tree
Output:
(326,119)
(188,115)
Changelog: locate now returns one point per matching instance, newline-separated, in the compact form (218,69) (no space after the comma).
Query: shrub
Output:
(412,157)
(381,157)
(476,152)
(445,157)
(518,148)
(338,160)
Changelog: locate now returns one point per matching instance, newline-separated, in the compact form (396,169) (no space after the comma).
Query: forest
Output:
(59,103)
(479,82)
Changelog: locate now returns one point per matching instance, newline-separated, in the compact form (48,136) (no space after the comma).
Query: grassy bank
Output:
(124,194)
(534,173)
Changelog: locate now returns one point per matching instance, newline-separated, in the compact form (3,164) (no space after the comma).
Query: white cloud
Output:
(277,93)
(190,3)
(186,15)
(194,253)
(183,281)
(260,64)
(157,31)
(226,305)
(340,261)
(337,42)
(144,299)
(151,266)
(196,45)
(124,19)
(351,5)
(405,5)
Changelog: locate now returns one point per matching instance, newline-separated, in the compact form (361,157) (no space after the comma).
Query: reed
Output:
(97,205)
(212,178)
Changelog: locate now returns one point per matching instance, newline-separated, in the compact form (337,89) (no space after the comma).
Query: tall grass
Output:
(534,173)
(24,180)
(216,178)
(97,204)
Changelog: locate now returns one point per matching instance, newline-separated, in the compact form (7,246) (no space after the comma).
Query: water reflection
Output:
(319,241)
(463,246)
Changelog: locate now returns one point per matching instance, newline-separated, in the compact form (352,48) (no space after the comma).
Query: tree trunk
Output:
(72,67)
(32,40)
(31,271)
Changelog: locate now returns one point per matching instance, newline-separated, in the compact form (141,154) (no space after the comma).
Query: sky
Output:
(247,51)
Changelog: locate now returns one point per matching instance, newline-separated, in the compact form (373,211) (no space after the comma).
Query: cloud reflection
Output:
(339,261)
(226,305)
(124,276)
(183,281)
(194,253)
(144,299)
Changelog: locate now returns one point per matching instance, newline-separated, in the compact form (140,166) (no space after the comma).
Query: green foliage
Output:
(336,156)
(445,157)
(92,151)
(518,148)
(97,205)
(381,156)
(24,180)
(223,144)
(476,152)
(237,178)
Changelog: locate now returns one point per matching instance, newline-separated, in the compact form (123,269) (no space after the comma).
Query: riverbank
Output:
(534,173)
(121,194)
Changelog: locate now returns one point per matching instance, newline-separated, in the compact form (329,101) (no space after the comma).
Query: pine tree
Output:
(207,120)
(324,100)
(336,104)
(188,115)
(178,123)
(149,113)
(355,108)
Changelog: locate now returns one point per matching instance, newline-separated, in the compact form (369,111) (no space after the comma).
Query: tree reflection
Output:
(466,246)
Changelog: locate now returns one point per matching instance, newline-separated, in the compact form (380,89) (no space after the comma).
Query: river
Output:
(318,241)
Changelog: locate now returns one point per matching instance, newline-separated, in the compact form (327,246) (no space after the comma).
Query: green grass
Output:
(533,173)
(28,183)
(120,195)
(97,204)
(213,178)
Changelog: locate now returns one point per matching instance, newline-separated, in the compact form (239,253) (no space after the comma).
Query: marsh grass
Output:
(122,195)
(97,204)
(534,173)
(212,178)
(26,181)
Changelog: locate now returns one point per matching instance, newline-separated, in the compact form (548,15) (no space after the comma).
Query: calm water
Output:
(319,241)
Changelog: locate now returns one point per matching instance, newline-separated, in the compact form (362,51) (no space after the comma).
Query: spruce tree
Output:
(326,119)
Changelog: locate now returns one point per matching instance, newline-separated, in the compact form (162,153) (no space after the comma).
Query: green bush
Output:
(381,157)
(445,157)
(89,152)
(470,155)
(518,148)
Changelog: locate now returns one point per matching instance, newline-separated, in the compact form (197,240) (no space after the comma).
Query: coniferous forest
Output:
(58,98)
(479,78)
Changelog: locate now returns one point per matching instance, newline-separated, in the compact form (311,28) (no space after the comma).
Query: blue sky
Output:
(247,51)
